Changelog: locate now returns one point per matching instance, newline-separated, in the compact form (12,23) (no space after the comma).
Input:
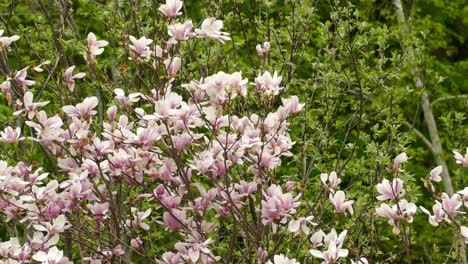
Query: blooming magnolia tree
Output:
(169,170)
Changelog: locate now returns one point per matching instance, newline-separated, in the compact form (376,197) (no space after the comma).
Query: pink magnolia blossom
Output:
(451,204)
(282,259)
(29,106)
(5,42)
(180,31)
(126,101)
(330,181)
(137,221)
(389,190)
(464,233)
(268,84)
(435,174)
(99,211)
(95,47)
(52,256)
(464,196)
(399,159)
(211,28)
(439,214)
(59,225)
(20,78)
(403,211)
(70,78)
(339,203)
(278,206)
(462,160)
(10,135)
(172,65)
(171,8)
(262,51)
(301,225)
(82,109)
(331,255)
(140,49)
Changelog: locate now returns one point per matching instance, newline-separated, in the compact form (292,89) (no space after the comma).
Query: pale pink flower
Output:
(172,65)
(435,174)
(136,242)
(403,211)
(10,135)
(292,105)
(331,255)
(399,159)
(464,233)
(58,225)
(268,84)
(282,259)
(262,51)
(301,225)
(52,256)
(339,203)
(126,101)
(70,78)
(95,47)
(462,160)
(330,181)
(211,28)
(20,78)
(112,112)
(451,204)
(317,238)
(278,206)
(38,68)
(171,8)
(137,221)
(5,42)
(29,106)
(140,48)
(464,196)
(82,109)
(439,214)
(99,211)
(180,31)
(390,191)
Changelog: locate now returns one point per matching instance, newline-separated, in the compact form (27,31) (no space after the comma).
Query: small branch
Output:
(448,98)
(419,134)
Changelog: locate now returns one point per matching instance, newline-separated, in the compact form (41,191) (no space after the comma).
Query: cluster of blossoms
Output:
(157,160)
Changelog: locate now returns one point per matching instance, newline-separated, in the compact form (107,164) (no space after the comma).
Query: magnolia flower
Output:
(140,50)
(301,225)
(172,65)
(95,47)
(99,211)
(211,28)
(70,78)
(137,221)
(360,261)
(10,136)
(53,256)
(438,216)
(82,109)
(268,84)
(58,225)
(463,160)
(171,8)
(29,105)
(339,203)
(126,101)
(5,42)
(38,68)
(330,181)
(464,233)
(435,174)
(403,211)
(317,238)
(261,51)
(399,159)
(331,255)
(282,259)
(180,31)
(277,206)
(390,191)
(451,204)
(464,196)
(20,78)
